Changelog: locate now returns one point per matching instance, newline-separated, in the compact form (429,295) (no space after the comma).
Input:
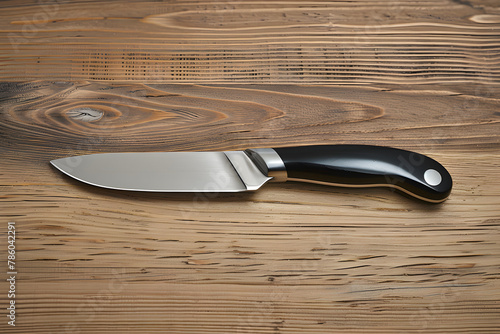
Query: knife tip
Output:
(61,164)
(55,163)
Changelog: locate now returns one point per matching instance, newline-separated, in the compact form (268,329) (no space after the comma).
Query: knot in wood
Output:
(85,114)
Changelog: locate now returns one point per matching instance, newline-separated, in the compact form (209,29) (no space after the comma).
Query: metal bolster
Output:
(269,163)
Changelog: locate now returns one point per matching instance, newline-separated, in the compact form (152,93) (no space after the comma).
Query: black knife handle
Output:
(368,166)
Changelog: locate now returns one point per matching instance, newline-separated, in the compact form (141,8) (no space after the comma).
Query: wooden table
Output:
(109,76)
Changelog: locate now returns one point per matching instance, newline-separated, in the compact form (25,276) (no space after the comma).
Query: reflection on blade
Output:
(155,171)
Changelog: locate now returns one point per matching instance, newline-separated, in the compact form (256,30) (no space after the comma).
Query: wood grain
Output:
(101,76)
(290,257)
(318,42)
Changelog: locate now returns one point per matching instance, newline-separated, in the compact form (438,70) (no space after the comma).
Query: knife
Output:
(234,171)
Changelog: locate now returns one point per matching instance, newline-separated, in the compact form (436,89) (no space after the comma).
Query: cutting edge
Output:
(249,176)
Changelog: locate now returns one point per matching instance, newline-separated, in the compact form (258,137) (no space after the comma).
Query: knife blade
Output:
(235,171)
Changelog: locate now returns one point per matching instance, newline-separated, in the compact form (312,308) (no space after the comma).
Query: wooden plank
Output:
(314,42)
(104,76)
(290,257)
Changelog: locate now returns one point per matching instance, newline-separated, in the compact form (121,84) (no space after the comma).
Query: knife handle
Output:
(362,166)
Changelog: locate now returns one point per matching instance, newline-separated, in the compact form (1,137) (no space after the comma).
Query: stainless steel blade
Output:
(166,171)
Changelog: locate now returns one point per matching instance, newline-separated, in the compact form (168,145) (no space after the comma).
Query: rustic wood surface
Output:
(107,76)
